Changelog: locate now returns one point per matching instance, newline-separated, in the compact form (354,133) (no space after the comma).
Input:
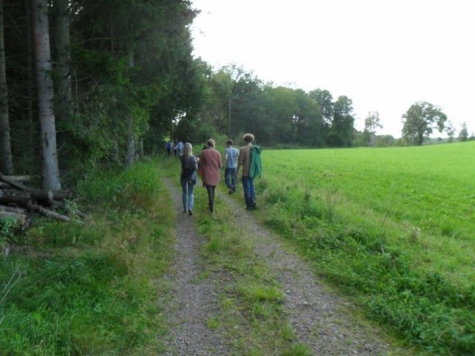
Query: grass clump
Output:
(92,289)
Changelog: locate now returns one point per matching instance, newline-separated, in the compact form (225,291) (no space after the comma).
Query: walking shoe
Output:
(230,191)
(190,212)
(254,203)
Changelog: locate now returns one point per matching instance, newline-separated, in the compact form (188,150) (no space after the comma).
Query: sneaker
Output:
(230,191)
(254,203)
(190,212)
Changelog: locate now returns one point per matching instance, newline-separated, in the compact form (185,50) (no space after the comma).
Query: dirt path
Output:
(192,301)
(317,316)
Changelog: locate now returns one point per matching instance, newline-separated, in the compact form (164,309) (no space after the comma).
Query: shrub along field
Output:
(392,227)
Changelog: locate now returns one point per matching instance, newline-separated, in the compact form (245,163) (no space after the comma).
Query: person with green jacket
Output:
(250,162)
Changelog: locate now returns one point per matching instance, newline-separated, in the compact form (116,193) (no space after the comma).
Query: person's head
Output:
(210,143)
(248,138)
(229,143)
(188,149)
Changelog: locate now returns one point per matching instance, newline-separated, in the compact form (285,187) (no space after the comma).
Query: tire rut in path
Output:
(192,301)
(316,315)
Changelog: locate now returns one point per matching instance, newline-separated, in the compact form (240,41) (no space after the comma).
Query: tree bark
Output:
(130,157)
(6,158)
(63,39)
(45,90)
(63,78)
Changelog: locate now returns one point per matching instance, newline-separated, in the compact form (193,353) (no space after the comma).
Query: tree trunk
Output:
(45,95)
(130,158)
(63,75)
(6,158)
(30,151)
(63,42)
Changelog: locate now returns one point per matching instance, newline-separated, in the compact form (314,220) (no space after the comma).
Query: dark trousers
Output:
(210,189)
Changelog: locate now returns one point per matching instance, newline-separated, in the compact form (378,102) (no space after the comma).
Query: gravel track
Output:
(319,318)
(193,300)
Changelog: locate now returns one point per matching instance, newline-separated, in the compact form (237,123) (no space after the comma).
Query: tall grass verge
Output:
(92,289)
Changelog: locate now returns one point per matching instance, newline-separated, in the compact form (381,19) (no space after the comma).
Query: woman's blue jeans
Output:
(249,193)
(188,194)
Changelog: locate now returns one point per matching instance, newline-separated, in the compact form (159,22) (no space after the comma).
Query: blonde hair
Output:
(188,151)
(211,143)
(248,137)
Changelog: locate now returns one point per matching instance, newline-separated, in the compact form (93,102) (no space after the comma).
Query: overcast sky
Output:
(383,54)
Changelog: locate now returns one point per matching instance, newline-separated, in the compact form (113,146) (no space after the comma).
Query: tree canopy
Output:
(420,120)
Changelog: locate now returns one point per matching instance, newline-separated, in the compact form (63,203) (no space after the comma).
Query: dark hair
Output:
(229,142)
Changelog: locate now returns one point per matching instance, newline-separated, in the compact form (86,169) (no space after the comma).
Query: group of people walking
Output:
(208,165)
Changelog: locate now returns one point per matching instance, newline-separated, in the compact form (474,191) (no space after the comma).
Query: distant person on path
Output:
(250,162)
(210,164)
(169,147)
(188,177)
(230,173)
(179,148)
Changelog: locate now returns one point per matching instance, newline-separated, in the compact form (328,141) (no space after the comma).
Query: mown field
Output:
(392,227)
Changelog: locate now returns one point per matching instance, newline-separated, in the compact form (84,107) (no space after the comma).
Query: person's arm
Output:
(239,163)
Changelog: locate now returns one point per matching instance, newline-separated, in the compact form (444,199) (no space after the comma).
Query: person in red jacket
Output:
(210,164)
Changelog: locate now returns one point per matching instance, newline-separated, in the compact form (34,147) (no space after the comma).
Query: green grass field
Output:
(392,226)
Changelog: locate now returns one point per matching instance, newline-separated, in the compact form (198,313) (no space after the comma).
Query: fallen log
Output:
(23,179)
(11,196)
(23,197)
(12,209)
(48,213)
(13,182)
(41,194)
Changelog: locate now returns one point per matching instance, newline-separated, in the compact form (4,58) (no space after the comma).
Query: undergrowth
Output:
(91,289)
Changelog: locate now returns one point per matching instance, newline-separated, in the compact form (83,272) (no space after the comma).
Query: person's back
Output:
(180,147)
(244,163)
(210,164)
(230,173)
(232,154)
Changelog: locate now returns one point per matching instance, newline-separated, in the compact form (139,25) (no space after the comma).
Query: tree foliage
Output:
(124,69)
(420,120)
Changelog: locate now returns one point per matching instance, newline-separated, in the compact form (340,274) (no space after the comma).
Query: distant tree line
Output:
(91,82)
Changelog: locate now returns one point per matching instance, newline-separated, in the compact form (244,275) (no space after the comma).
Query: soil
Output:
(321,319)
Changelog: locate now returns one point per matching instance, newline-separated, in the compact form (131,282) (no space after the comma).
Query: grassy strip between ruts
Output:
(251,314)
(376,223)
(92,289)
